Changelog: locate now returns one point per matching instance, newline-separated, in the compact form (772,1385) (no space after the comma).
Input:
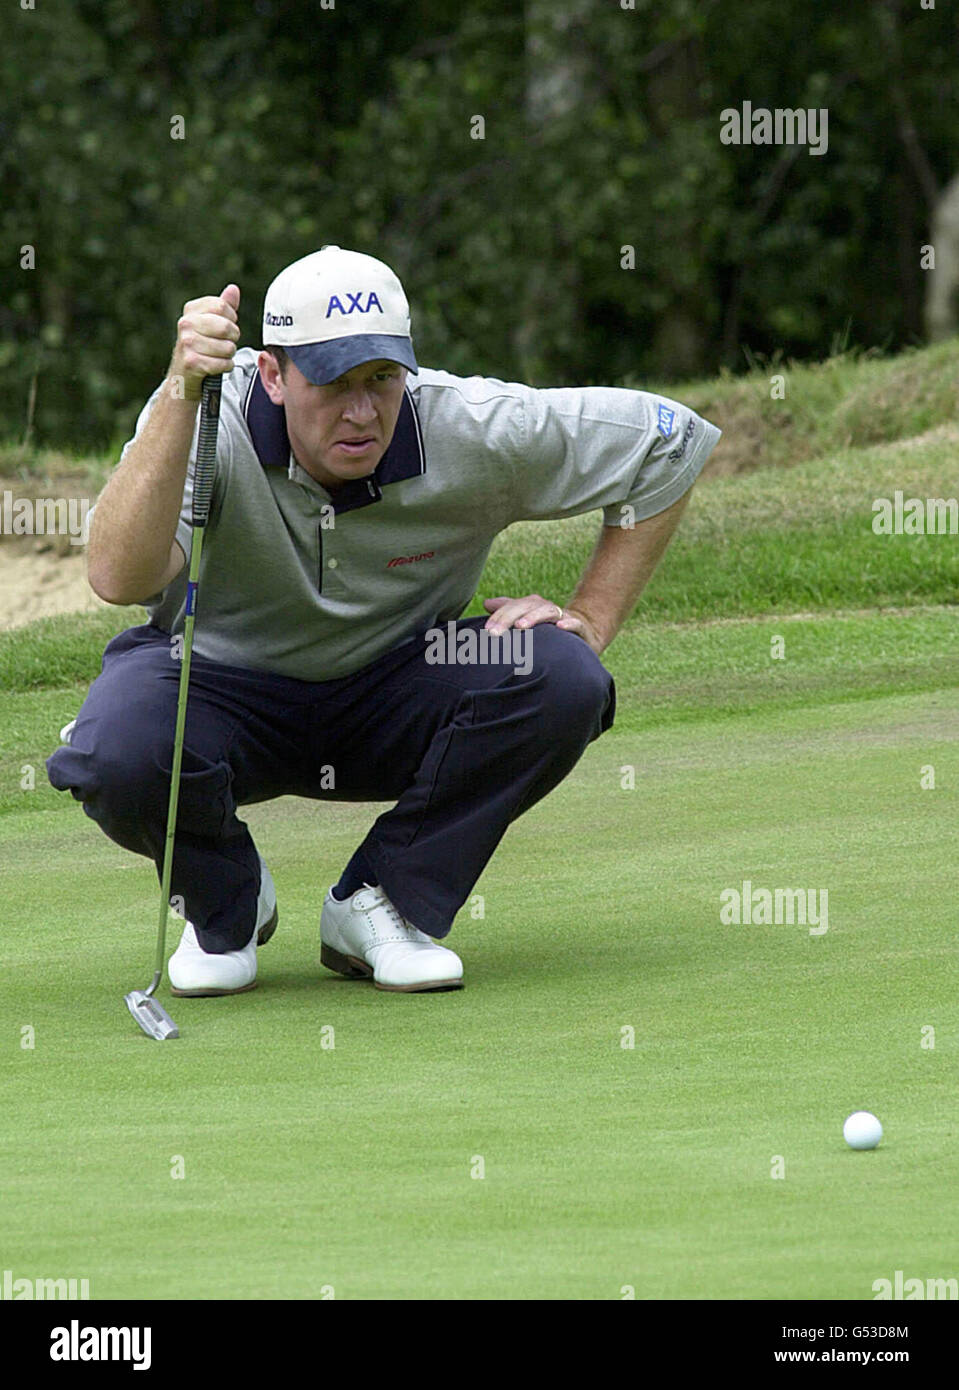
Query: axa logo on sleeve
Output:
(665,420)
(356,304)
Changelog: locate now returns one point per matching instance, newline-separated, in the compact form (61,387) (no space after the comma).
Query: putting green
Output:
(356,1168)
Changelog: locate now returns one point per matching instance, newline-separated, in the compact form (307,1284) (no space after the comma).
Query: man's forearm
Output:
(135,521)
(620,568)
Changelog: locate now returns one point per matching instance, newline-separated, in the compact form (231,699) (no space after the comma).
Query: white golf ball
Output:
(862,1130)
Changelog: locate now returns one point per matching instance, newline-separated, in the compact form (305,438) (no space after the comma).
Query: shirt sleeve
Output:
(604,447)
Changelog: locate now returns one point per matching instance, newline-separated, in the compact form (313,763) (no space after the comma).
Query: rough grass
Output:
(61,651)
(36,470)
(846,402)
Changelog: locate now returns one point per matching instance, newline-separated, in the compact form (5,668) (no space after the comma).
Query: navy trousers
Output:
(462,750)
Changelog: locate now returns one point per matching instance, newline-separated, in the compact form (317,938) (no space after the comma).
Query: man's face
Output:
(342,430)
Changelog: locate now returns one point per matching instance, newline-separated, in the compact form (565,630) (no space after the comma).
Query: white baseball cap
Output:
(334,309)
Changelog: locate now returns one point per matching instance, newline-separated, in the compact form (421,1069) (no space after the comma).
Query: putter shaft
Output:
(149,1014)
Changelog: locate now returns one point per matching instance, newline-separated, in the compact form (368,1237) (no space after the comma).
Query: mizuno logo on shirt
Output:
(409,559)
(355,304)
(676,454)
(280,320)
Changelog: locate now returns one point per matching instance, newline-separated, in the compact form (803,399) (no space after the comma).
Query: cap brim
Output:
(322,363)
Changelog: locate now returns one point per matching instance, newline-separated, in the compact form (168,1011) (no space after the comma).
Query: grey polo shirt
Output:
(314,586)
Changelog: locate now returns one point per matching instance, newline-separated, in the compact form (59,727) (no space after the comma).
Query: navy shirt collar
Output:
(404,458)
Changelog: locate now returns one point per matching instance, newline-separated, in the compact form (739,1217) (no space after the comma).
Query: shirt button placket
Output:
(332,569)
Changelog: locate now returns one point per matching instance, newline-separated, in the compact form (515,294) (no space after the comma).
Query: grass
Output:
(66,650)
(40,468)
(627,1073)
(308,1167)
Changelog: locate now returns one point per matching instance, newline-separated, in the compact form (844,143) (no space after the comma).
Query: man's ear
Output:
(270,376)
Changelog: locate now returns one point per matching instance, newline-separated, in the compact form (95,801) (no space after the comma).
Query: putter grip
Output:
(205,470)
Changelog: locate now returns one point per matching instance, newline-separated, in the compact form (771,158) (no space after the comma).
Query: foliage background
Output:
(306,125)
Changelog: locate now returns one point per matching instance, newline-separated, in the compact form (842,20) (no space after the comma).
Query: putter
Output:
(149,1014)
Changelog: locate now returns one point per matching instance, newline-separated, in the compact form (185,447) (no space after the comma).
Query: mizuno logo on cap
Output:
(355,304)
(280,320)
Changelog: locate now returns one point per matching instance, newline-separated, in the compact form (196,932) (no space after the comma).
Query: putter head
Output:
(151,1016)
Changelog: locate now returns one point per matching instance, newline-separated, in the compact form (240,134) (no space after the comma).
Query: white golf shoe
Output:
(365,936)
(195,972)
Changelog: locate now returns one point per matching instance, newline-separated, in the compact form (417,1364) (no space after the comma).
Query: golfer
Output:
(356,499)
